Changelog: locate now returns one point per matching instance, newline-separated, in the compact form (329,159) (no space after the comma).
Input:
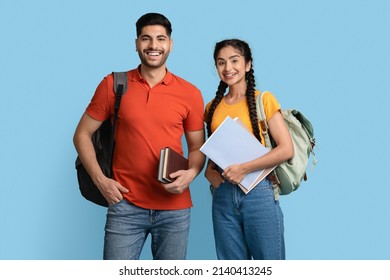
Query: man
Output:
(157,109)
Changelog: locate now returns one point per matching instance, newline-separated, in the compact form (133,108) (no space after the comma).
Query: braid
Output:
(218,97)
(251,102)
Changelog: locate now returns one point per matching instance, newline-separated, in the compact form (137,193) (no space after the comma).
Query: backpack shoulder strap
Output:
(120,81)
(263,119)
(264,131)
(120,87)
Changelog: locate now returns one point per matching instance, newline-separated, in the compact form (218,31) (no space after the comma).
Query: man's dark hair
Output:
(153,19)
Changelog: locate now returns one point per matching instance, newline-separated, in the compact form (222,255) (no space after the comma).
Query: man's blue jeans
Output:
(127,227)
(249,225)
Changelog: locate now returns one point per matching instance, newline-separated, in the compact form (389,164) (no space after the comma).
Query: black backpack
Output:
(103,142)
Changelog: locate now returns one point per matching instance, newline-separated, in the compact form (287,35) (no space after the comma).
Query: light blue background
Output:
(329,58)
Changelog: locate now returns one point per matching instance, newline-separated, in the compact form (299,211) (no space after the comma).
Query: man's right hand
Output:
(111,189)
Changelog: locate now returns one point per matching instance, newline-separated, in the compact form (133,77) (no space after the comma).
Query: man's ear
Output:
(170,44)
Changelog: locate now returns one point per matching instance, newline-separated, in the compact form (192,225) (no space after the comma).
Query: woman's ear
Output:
(248,66)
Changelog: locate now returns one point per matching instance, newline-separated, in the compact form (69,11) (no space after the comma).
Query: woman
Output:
(246,226)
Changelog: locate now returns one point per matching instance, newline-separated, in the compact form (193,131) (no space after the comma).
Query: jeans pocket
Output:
(116,207)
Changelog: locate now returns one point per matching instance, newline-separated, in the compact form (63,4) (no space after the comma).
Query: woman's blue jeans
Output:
(127,227)
(247,226)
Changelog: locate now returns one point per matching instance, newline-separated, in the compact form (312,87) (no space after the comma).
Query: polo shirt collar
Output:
(136,76)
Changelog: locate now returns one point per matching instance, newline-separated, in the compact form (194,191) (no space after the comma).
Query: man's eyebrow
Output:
(158,36)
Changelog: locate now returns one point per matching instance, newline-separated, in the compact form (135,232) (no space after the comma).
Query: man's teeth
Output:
(154,54)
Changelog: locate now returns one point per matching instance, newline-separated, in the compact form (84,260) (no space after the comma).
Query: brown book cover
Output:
(170,161)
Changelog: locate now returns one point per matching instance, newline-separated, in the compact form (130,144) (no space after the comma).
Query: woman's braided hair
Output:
(245,51)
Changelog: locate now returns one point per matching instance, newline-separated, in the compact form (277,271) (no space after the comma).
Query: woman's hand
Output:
(213,176)
(234,173)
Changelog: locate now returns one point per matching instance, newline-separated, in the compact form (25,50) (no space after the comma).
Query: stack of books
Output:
(170,161)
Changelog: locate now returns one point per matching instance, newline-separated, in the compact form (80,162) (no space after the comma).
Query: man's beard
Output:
(164,57)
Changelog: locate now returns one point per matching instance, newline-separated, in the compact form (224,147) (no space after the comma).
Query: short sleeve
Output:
(194,120)
(100,107)
(271,105)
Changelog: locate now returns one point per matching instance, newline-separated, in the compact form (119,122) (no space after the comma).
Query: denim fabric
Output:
(127,227)
(247,226)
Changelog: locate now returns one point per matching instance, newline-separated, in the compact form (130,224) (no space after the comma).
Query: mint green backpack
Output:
(291,173)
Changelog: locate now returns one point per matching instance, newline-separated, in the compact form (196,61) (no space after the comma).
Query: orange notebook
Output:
(170,161)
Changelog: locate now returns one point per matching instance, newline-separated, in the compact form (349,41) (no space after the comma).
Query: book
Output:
(170,161)
(232,143)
